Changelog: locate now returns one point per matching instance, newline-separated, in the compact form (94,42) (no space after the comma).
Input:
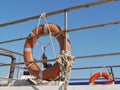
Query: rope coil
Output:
(66,61)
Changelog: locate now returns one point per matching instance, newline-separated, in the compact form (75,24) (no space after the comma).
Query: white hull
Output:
(72,87)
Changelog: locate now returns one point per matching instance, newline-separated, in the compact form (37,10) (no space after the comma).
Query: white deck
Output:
(72,87)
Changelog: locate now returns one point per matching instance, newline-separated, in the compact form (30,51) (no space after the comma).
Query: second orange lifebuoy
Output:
(53,71)
(101,74)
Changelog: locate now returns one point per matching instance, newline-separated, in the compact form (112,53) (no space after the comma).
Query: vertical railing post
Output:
(66,27)
(112,73)
(18,67)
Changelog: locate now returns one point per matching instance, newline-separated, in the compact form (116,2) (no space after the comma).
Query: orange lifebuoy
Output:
(101,74)
(53,71)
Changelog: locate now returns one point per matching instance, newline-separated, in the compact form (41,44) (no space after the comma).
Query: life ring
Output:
(101,74)
(54,70)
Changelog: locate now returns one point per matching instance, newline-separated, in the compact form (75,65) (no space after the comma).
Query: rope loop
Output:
(47,30)
(43,15)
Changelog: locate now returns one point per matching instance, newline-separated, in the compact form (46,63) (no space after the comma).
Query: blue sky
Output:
(88,42)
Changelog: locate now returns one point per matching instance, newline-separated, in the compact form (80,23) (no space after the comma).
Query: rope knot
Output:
(43,15)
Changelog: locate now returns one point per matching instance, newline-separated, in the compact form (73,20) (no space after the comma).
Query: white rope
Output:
(38,42)
(32,34)
(67,74)
(62,61)
(66,63)
(39,22)
(51,40)
(41,16)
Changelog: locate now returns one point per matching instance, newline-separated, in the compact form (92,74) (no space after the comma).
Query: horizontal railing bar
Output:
(58,12)
(71,30)
(98,55)
(79,79)
(95,67)
(11,51)
(2,77)
(75,58)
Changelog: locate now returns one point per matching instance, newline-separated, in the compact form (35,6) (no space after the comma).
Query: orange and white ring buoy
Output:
(101,74)
(53,71)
